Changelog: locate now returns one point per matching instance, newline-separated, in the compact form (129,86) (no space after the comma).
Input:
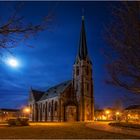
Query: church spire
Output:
(82,44)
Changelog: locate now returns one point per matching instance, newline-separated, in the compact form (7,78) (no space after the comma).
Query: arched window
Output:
(87,87)
(31,107)
(43,107)
(76,86)
(49,107)
(87,70)
(46,105)
(55,107)
(77,71)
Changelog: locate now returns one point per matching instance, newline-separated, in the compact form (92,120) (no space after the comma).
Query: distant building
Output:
(108,114)
(71,100)
(6,114)
(132,113)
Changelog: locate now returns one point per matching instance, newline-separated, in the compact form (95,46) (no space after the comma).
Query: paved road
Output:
(106,127)
(58,131)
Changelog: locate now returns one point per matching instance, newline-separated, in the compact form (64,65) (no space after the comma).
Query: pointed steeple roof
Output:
(82,53)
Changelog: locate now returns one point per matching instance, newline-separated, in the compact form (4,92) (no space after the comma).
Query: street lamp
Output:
(107,112)
(117,115)
(26,111)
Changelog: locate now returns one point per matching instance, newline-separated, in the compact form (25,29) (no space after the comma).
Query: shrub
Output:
(124,124)
(18,122)
(11,122)
(24,122)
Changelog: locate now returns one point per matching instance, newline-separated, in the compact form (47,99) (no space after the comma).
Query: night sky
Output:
(51,59)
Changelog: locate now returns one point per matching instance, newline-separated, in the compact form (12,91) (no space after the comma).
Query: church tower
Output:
(82,80)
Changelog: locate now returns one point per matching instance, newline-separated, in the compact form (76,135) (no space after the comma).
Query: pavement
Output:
(104,126)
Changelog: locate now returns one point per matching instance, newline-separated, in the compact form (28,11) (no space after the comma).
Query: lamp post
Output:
(117,115)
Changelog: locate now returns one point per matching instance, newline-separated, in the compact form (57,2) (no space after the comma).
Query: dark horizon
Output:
(54,51)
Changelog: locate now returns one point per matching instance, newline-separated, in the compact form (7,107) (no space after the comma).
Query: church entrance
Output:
(71,113)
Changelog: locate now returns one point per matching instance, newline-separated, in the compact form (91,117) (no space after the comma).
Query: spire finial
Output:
(83,11)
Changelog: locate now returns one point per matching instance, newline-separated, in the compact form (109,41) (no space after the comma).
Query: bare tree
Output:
(118,105)
(15,29)
(123,38)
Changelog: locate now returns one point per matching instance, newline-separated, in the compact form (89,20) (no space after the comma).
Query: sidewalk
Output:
(106,127)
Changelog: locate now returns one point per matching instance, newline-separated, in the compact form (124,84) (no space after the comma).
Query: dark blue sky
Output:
(51,59)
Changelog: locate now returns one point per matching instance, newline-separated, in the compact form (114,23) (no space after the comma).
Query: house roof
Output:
(133,107)
(56,90)
(9,110)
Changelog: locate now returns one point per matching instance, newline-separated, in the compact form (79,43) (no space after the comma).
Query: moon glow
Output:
(13,62)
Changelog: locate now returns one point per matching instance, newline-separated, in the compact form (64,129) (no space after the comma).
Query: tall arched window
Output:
(87,87)
(49,107)
(55,107)
(43,107)
(77,71)
(87,70)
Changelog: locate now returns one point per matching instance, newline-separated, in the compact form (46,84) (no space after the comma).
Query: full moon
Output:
(13,62)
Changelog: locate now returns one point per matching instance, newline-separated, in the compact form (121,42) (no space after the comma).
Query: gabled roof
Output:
(56,90)
(133,107)
(36,94)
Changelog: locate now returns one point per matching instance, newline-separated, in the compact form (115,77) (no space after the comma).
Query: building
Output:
(6,114)
(108,114)
(71,100)
(132,113)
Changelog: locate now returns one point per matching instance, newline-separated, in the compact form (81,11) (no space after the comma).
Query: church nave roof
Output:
(55,90)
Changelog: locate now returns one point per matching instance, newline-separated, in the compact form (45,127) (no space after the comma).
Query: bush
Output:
(124,124)
(11,122)
(18,122)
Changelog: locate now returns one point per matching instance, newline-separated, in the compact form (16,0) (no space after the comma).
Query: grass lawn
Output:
(58,131)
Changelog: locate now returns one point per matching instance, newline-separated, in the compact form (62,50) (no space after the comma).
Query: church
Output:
(70,100)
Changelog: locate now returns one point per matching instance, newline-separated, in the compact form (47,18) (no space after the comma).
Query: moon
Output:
(13,62)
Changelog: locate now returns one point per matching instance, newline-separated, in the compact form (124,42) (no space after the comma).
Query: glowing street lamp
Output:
(117,115)
(128,115)
(26,111)
(107,112)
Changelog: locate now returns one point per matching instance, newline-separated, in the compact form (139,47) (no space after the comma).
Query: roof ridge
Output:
(58,84)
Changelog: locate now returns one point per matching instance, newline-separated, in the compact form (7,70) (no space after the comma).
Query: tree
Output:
(118,105)
(15,29)
(123,38)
